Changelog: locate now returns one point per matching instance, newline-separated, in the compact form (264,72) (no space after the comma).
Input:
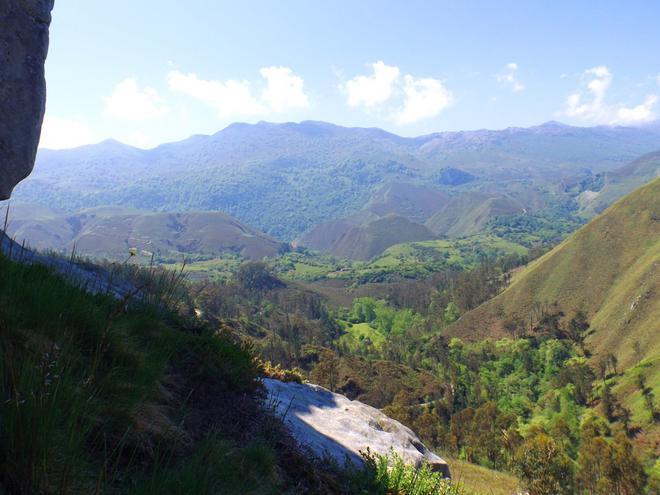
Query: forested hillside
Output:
(535,403)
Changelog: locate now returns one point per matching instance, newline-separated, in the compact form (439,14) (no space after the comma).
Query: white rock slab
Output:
(332,425)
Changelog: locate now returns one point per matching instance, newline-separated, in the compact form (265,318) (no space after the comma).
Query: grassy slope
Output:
(462,253)
(413,201)
(412,260)
(478,480)
(608,268)
(611,269)
(468,213)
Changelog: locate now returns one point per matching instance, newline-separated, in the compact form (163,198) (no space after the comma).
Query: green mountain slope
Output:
(323,236)
(610,269)
(418,259)
(413,201)
(469,213)
(620,182)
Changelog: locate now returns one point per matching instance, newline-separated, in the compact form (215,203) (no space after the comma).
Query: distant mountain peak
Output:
(553,123)
(112,143)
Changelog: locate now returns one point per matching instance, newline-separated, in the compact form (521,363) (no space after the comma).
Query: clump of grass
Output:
(156,284)
(390,475)
(215,467)
(269,370)
(39,410)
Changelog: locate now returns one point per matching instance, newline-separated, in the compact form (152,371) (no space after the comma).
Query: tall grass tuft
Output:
(390,475)
(215,467)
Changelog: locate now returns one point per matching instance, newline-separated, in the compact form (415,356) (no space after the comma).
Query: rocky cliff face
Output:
(23,47)
(332,425)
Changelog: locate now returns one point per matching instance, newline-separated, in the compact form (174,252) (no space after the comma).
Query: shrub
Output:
(390,475)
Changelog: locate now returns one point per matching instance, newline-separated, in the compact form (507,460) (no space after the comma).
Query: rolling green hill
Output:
(366,241)
(414,202)
(419,259)
(113,231)
(460,214)
(411,261)
(324,235)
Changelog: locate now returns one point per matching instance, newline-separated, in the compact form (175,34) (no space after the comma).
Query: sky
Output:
(146,72)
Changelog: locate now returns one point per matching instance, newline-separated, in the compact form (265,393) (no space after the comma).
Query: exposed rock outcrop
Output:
(332,425)
(23,48)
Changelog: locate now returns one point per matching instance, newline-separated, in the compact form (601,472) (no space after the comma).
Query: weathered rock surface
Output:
(23,47)
(331,425)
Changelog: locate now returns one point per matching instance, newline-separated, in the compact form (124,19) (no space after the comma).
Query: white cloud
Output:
(128,102)
(405,99)
(284,90)
(639,114)
(589,103)
(424,98)
(229,98)
(594,109)
(58,133)
(508,77)
(657,79)
(372,90)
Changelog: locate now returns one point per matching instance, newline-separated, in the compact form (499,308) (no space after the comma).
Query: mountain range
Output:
(284,179)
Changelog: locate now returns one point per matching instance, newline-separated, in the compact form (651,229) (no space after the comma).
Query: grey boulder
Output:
(23,47)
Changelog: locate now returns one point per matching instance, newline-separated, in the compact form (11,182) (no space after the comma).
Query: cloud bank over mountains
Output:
(404,100)
(589,103)
(383,93)
(284,90)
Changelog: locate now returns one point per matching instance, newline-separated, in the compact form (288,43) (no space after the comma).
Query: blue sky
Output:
(150,71)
